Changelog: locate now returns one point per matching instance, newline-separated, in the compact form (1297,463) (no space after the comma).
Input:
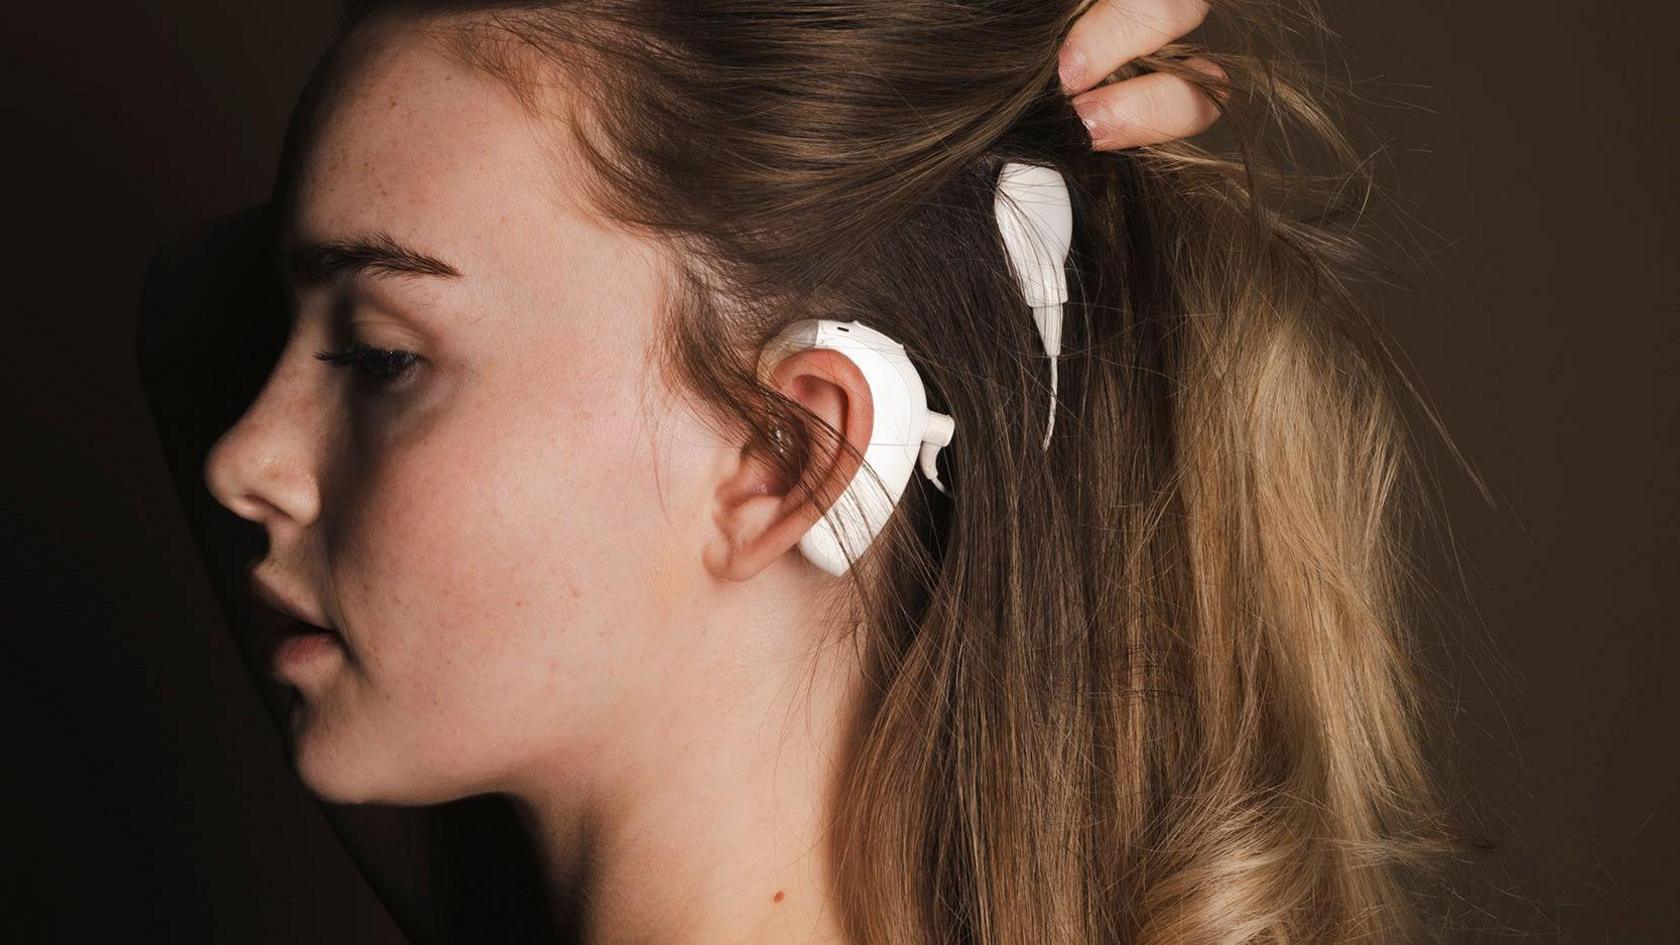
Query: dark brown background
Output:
(148,790)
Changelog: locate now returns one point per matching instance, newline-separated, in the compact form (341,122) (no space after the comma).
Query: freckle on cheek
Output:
(779,895)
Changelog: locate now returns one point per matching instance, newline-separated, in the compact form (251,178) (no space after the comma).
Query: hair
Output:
(1158,684)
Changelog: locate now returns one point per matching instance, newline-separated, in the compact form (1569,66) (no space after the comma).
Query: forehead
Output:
(411,140)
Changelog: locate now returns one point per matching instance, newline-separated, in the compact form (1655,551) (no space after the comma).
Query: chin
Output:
(332,775)
(332,769)
(338,773)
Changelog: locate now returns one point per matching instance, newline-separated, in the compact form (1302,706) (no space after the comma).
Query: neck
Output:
(708,823)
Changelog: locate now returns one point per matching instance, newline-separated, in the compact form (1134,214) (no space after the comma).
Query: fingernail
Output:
(1070,63)
(1092,118)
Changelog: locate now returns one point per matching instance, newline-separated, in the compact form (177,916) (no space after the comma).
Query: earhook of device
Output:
(939,432)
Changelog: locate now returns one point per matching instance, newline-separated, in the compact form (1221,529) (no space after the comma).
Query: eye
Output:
(381,365)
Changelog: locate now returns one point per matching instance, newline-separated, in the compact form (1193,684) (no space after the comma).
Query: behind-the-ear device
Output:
(905,434)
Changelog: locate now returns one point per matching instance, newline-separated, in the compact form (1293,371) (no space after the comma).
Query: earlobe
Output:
(760,514)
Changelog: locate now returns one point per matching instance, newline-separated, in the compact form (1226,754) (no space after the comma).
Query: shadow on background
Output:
(151,796)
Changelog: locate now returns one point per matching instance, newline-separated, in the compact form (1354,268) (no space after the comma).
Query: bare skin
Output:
(1146,109)
(665,706)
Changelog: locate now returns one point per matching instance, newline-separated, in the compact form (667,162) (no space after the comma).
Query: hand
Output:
(1146,109)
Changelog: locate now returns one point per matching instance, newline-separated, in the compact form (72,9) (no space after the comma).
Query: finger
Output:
(1148,109)
(1114,32)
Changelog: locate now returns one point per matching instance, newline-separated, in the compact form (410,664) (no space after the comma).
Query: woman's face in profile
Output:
(501,536)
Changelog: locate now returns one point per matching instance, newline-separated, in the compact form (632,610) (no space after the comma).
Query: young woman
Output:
(539,510)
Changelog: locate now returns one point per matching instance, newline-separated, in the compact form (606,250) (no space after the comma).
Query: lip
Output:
(301,618)
(299,650)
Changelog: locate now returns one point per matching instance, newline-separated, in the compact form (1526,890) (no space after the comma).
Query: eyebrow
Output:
(317,263)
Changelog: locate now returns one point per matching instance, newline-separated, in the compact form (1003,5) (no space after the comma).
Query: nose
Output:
(263,468)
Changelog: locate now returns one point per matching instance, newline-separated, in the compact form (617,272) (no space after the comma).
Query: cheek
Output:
(498,577)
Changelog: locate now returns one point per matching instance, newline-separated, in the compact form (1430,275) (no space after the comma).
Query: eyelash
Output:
(381,365)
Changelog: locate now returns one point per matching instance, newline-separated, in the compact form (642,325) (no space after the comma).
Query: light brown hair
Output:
(1158,684)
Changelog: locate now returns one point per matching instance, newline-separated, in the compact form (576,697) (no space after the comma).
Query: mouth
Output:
(295,634)
(286,628)
(291,638)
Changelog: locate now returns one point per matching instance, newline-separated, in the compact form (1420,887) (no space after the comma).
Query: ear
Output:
(758,516)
